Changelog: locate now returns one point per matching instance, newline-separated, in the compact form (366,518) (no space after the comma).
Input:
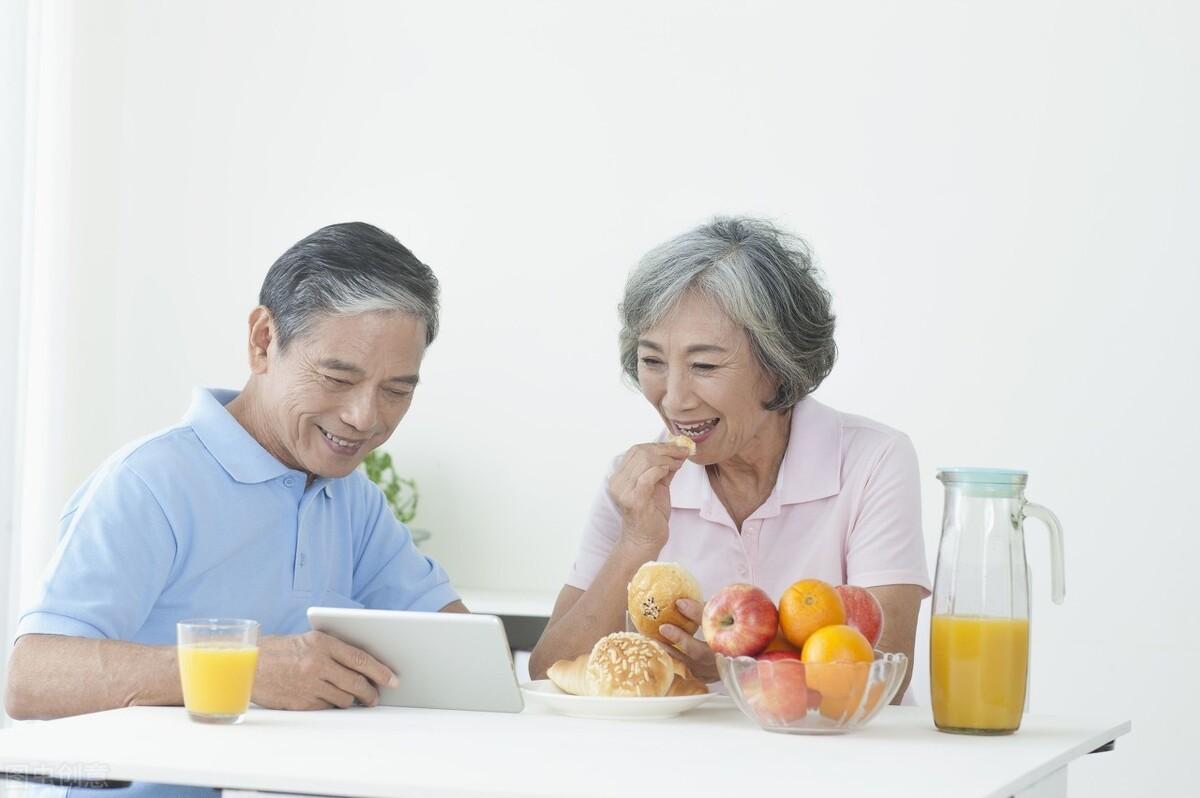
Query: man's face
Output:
(340,389)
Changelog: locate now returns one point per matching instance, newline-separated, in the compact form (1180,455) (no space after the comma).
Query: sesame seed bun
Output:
(627,664)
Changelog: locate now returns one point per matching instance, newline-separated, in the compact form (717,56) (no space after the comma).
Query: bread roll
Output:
(652,595)
(687,687)
(627,664)
(570,675)
(685,683)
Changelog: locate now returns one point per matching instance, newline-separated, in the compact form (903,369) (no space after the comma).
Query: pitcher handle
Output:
(1058,582)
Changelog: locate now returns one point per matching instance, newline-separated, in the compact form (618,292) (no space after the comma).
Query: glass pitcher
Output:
(979,635)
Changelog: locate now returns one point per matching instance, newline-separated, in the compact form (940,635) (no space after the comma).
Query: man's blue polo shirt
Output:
(200,521)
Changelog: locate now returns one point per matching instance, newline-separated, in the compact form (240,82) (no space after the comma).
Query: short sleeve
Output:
(601,532)
(114,557)
(885,545)
(390,573)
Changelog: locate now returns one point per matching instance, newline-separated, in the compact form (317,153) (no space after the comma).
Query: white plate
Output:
(544,693)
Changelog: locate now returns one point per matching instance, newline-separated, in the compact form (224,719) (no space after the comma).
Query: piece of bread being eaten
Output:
(685,442)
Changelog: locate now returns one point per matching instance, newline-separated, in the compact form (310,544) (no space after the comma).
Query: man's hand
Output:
(316,671)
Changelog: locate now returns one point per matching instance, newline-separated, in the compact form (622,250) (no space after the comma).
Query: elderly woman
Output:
(727,331)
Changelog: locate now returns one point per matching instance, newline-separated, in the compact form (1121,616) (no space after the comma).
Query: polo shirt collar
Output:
(242,457)
(811,467)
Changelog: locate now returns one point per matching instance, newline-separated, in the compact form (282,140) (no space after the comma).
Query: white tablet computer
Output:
(444,660)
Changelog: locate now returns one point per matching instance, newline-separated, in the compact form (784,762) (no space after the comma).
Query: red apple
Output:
(774,656)
(740,620)
(863,611)
(776,691)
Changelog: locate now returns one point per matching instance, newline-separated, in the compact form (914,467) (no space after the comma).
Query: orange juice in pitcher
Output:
(979,630)
(978,671)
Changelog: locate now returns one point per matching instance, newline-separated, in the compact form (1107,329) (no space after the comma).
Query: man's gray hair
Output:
(764,280)
(347,269)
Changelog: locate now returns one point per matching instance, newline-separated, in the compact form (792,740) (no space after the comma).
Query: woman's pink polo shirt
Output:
(846,508)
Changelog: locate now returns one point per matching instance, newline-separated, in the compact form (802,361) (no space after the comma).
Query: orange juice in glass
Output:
(217,660)
(978,672)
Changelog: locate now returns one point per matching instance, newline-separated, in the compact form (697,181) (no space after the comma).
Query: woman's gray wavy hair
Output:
(764,280)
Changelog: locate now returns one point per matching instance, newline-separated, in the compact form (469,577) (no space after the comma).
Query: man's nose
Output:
(362,410)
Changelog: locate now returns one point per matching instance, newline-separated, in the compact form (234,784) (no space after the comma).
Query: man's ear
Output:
(262,338)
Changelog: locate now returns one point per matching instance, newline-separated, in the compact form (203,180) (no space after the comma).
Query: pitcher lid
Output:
(971,475)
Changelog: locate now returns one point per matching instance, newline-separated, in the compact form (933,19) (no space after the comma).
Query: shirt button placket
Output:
(300,578)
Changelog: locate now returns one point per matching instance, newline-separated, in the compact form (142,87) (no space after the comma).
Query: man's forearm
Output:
(52,676)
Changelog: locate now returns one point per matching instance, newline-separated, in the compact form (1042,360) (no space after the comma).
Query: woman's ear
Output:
(262,337)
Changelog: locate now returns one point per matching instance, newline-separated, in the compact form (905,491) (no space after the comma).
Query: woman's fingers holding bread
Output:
(696,653)
(691,609)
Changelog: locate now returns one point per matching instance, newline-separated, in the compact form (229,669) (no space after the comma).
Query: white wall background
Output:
(12,195)
(1003,197)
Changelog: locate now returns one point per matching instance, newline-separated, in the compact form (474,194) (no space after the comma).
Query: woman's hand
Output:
(640,489)
(695,653)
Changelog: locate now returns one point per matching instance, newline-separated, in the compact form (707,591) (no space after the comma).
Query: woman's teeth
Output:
(339,441)
(696,430)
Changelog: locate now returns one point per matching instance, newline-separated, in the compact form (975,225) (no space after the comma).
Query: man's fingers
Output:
(358,660)
(335,696)
(354,683)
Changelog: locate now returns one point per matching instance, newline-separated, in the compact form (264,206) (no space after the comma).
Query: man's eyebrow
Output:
(691,350)
(333,364)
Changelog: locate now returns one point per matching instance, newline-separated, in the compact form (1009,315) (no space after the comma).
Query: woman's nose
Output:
(679,394)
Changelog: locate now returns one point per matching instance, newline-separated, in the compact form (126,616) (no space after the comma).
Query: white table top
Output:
(387,752)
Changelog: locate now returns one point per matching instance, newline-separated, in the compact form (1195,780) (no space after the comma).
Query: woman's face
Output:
(697,368)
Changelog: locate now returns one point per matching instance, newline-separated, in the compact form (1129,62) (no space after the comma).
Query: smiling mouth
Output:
(341,443)
(698,429)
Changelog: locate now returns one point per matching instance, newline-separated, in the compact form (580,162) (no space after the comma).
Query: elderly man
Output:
(251,507)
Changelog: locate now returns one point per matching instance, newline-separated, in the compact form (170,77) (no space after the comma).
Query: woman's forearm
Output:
(53,676)
(579,621)
(901,604)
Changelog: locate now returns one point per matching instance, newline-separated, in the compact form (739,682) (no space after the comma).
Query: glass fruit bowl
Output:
(790,696)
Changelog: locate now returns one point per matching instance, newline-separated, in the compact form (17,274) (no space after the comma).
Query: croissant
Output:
(570,675)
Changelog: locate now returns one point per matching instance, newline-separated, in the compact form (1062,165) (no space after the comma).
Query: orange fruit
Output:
(780,643)
(839,643)
(806,606)
(837,663)
(840,684)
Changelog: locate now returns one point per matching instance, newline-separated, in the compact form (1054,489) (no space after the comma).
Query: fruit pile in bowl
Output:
(808,666)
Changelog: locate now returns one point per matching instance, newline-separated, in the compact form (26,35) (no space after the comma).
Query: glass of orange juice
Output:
(217,660)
